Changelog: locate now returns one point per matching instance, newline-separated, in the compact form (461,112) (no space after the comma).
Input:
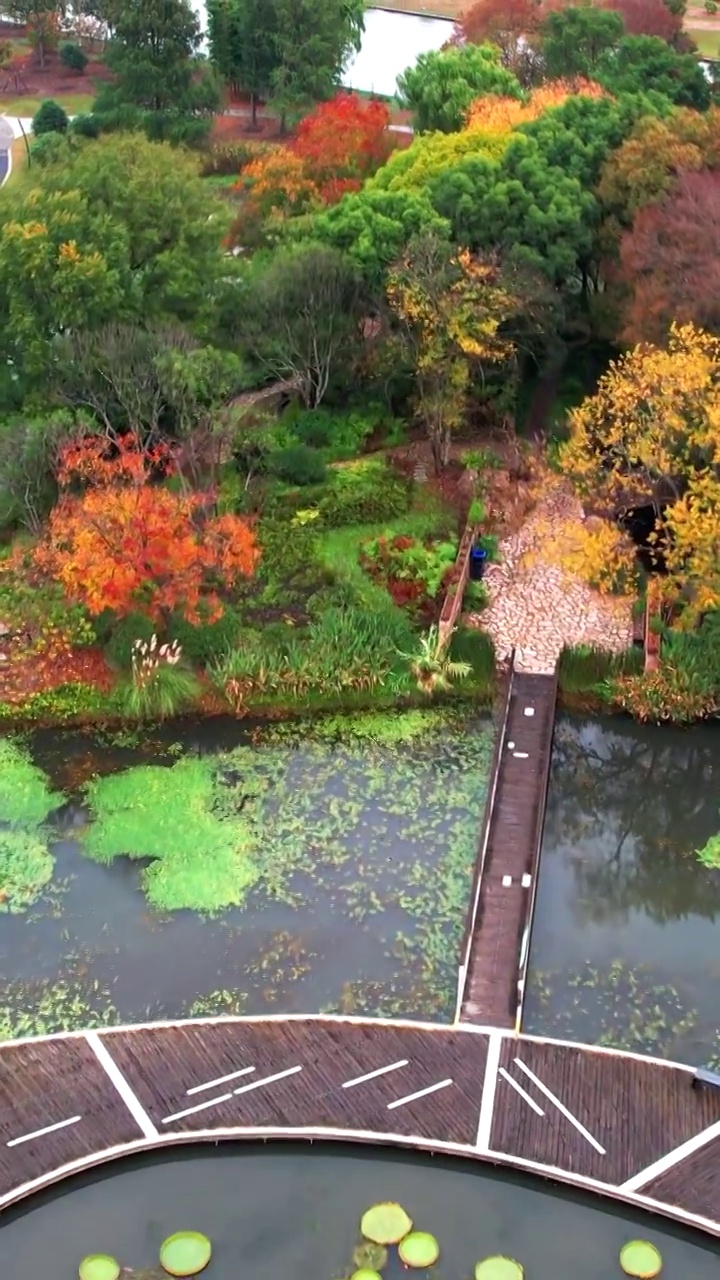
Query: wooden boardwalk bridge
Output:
(614,1123)
(492,971)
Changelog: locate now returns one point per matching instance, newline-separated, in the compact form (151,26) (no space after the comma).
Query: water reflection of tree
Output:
(635,803)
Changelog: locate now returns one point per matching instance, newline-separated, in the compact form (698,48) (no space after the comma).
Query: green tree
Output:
(579,136)
(640,64)
(121,229)
(373,227)
(573,40)
(49,118)
(241,35)
(159,83)
(312,44)
(443,83)
(42,20)
(302,315)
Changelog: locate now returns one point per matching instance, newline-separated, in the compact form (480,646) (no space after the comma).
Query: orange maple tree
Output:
(335,148)
(119,540)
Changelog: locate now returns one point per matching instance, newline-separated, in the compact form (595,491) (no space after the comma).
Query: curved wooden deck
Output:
(630,1127)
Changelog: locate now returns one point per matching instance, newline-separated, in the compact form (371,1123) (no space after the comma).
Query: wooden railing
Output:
(452,604)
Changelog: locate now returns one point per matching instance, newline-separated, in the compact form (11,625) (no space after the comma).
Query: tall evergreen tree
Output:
(160,83)
(241,34)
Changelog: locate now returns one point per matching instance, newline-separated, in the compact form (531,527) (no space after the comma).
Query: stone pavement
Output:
(536,607)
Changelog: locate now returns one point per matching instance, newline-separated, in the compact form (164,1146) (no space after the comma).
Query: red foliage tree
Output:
(506,23)
(670,261)
(648,18)
(117,540)
(343,141)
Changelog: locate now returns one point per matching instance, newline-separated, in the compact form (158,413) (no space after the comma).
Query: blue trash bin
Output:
(478,560)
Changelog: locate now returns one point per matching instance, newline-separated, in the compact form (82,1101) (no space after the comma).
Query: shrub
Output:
(85,125)
(200,644)
(469,644)
(368,493)
(340,435)
(298,465)
(585,669)
(64,703)
(227,158)
(124,633)
(49,118)
(711,6)
(669,694)
(72,56)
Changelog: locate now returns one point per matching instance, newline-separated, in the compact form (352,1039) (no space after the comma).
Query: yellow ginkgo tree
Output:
(456,313)
(651,433)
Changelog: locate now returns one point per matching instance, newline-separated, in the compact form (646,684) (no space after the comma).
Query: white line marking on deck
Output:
(529,711)
(372,1075)
(520,755)
(562,1109)
(131,1100)
(40,1133)
(258,1084)
(422,1093)
(210,1084)
(519,1089)
(526,880)
(672,1158)
(487,1102)
(507,881)
(201,1106)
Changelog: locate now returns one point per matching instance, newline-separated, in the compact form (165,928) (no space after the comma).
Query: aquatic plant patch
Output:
(25,797)
(26,867)
(201,858)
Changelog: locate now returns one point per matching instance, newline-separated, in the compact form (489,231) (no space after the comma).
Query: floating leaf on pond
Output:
(640,1258)
(385,1223)
(419,1249)
(365,1273)
(370,1255)
(498,1268)
(185,1253)
(99,1266)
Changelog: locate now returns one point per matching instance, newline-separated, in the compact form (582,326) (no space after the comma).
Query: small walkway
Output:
(537,608)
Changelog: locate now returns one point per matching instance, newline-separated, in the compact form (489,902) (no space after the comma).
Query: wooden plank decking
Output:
(633,1126)
(492,981)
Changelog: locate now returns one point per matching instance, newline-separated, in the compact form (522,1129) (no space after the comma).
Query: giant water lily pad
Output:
(385,1223)
(641,1259)
(99,1266)
(419,1249)
(185,1253)
(370,1255)
(498,1268)
(365,1274)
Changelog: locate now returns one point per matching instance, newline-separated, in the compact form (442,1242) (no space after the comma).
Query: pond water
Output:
(292,1211)
(348,844)
(625,946)
(393,42)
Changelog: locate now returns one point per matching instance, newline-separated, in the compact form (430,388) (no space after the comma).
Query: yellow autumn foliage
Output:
(431,154)
(494,114)
(597,551)
(652,433)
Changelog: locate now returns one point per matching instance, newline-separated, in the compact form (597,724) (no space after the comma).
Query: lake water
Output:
(286,1212)
(391,43)
(362,832)
(625,947)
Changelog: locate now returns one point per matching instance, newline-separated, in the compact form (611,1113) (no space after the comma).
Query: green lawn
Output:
(708,42)
(25,104)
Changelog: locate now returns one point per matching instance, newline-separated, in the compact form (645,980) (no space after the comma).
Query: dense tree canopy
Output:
(644,64)
(574,39)
(670,261)
(642,168)
(441,86)
(509,24)
(373,226)
(119,229)
(241,35)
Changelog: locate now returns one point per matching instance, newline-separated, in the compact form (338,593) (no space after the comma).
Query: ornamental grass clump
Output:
(159,685)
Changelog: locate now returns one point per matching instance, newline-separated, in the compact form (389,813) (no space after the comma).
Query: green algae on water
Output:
(25,797)
(44,1007)
(200,858)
